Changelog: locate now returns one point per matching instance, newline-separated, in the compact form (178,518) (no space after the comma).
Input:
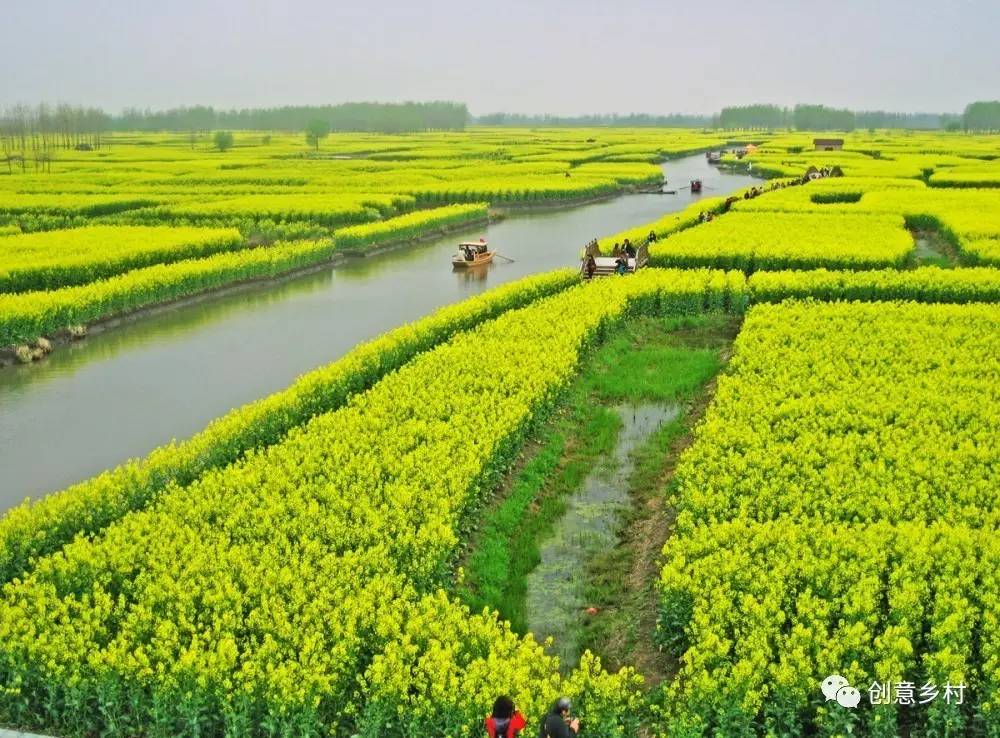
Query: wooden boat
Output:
(472,254)
(606,266)
(695,185)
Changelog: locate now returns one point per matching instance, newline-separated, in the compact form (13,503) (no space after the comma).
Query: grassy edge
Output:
(555,461)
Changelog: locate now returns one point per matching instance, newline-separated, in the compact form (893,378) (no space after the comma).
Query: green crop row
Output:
(25,316)
(924,284)
(14,204)
(409,226)
(54,259)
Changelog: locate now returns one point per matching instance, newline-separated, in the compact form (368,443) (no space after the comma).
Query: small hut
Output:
(828,144)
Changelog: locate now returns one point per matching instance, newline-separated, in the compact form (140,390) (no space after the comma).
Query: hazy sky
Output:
(558,56)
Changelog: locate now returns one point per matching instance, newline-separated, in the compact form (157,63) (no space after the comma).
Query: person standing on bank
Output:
(506,721)
(557,723)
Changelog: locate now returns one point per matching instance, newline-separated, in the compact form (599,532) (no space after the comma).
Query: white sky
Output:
(555,56)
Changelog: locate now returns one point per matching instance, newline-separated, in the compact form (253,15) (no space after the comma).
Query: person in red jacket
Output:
(506,721)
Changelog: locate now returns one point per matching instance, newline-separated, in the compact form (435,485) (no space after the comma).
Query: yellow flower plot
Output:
(923,284)
(752,242)
(837,514)
(53,259)
(408,226)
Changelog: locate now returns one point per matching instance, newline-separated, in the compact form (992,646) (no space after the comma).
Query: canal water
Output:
(119,394)
(555,600)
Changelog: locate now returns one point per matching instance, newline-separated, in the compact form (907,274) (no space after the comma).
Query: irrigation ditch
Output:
(572,548)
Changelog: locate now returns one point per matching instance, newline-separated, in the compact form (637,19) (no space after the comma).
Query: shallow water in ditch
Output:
(555,599)
(119,394)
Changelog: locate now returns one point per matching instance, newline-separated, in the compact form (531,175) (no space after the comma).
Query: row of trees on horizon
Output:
(45,127)
(822,118)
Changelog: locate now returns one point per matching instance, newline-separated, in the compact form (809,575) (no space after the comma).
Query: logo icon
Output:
(835,687)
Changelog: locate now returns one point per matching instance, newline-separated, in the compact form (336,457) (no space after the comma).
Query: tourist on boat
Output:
(590,266)
(505,721)
(557,723)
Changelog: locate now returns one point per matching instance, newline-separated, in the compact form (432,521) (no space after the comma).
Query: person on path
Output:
(557,722)
(505,721)
(591,266)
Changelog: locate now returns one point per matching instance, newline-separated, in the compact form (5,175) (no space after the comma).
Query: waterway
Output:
(118,394)
(555,599)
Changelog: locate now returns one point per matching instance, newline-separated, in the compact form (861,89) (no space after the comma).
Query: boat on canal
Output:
(472,254)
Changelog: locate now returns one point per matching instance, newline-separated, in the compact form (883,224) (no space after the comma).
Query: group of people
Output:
(506,722)
(626,249)
(824,172)
(753,192)
(622,252)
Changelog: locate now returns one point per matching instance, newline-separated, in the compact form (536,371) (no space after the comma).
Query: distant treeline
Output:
(45,127)
(982,116)
(372,117)
(823,118)
(633,120)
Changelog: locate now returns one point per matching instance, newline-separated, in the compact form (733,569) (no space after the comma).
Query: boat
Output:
(607,266)
(714,157)
(695,185)
(472,254)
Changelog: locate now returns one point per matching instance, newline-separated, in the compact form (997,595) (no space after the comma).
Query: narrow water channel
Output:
(119,394)
(556,601)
